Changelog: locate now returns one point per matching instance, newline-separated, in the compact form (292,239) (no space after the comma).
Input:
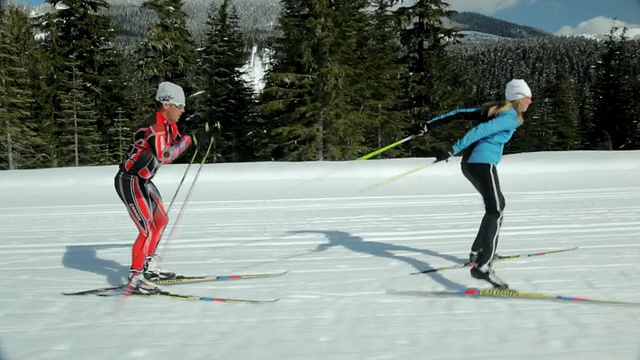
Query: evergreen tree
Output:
(139,93)
(308,102)
(78,41)
(347,78)
(42,109)
(120,132)
(167,53)
(551,123)
(615,116)
(227,97)
(347,111)
(543,62)
(17,127)
(378,85)
(109,101)
(81,142)
(533,135)
(566,125)
(287,83)
(584,95)
(3,6)
(433,84)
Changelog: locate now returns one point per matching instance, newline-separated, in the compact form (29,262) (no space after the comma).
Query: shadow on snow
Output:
(385,250)
(85,258)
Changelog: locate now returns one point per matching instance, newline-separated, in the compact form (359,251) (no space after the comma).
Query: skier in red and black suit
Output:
(158,143)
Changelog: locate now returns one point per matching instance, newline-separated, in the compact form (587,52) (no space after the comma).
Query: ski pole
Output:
(193,158)
(186,200)
(396,177)
(379,151)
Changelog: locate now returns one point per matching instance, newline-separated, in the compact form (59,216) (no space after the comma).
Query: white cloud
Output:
(486,7)
(599,25)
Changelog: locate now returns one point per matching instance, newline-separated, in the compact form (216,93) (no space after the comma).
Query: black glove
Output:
(443,155)
(202,138)
(421,129)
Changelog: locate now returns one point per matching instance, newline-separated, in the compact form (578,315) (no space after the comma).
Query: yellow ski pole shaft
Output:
(396,177)
(379,151)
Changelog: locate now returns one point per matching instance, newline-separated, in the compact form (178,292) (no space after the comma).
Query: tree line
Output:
(345,77)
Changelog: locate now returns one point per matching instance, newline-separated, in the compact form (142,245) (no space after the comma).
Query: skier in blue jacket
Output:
(482,148)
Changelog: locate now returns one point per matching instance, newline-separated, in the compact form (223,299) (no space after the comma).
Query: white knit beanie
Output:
(517,89)
(171,93)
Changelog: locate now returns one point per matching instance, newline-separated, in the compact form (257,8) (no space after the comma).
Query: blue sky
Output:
(558,16)
(555,16)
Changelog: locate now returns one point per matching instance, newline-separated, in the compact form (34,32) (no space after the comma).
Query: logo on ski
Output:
(510,293)
(180,279)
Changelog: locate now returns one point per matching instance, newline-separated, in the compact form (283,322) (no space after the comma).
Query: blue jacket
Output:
(489,138)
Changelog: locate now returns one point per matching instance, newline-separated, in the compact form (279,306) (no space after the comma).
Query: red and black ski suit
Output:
(160,143)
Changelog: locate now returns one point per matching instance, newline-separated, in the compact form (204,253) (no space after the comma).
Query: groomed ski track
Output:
(344,247)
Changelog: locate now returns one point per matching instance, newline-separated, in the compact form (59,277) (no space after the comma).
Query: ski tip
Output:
(401,292)
(238,301)
(280,273)
(248,301)
(267,274)
(77,293)
(273,273)
(409,292)
(428,271)
(94,291)
(447,267)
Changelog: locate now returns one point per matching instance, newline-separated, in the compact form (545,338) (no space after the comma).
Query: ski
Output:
(499,258)
(510,293)
(180,279)
(195,279)
(190,297)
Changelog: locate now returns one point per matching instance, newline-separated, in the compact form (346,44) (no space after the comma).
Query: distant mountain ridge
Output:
(257,18)
(474,22)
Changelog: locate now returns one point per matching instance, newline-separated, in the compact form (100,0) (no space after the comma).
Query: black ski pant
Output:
(484,177)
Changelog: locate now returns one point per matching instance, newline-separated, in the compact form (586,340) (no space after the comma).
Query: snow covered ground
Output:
(347,238)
